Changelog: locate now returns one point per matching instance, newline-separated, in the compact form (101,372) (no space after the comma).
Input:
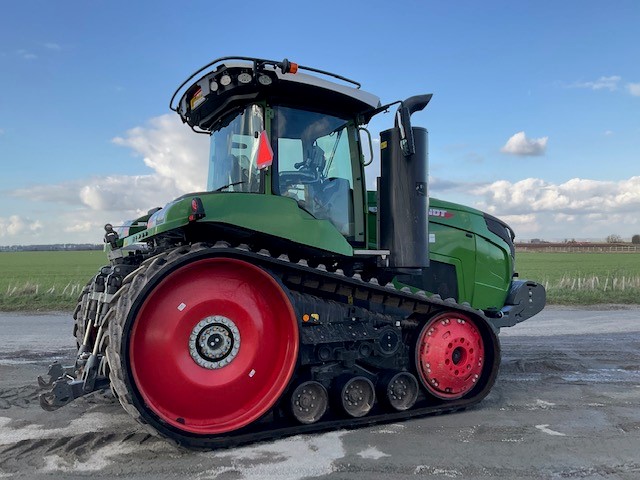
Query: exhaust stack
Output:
(403,203)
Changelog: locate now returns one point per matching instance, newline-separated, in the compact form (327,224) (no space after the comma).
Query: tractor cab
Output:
(277,131)
(315,161)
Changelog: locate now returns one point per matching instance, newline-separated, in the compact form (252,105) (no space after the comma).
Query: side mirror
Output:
(403,121)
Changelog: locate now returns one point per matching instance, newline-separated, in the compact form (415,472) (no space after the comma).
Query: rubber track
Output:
(316,280)
(79,321)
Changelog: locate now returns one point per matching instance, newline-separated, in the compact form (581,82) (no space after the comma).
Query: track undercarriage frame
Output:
(355,352)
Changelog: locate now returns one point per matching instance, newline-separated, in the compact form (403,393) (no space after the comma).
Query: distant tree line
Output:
(49,248)
(613,238)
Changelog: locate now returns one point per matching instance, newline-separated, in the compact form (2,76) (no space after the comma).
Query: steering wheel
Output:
(288,179)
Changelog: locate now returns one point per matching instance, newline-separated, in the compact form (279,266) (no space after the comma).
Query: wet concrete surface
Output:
(49,332)
(566,405)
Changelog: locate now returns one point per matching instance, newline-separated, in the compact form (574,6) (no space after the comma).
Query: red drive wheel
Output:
(449,355)
(213,346)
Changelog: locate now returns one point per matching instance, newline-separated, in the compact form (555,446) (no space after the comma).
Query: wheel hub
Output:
(214,342)
(354,395)
(457,355)
(450,356)
(358,396)
(398,389)
(401,390)
(309,402)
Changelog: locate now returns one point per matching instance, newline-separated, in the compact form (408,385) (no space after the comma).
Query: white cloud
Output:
(52,46)
(177,159)
(172,150)
(80,227)
(115,192)
(603,83)
(634,89)
(523,225)
(127,193)
(574,197)
(176,156)
(577,208)
(15,225)
(519,144)
(63,193)
(611,83)
(26,55)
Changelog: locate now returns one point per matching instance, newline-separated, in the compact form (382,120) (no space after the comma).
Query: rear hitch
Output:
(90,374)
(56,371)
(64,391)
(67,389)
(64,387)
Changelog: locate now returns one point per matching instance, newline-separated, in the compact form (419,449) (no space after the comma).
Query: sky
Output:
(535,116)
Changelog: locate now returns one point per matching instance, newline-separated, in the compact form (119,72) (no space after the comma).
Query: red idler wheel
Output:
(213,346)
(449,355)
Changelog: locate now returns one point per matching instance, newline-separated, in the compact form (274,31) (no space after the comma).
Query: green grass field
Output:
(37,281)
(584,278)
(40,281)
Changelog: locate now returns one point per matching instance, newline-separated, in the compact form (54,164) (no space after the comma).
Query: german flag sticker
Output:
(197,99)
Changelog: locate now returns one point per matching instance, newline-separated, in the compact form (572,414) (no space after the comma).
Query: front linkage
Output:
(91,370)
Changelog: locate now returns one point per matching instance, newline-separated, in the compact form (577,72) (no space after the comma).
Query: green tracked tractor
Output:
(285,298)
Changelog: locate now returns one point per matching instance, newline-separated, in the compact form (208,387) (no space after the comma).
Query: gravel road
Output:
(566,405)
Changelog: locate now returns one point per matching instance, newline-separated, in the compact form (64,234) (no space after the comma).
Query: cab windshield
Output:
(314,155)
(233,152)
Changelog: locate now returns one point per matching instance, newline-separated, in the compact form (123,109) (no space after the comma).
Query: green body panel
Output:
(268,214)
(459,236)
(494,270)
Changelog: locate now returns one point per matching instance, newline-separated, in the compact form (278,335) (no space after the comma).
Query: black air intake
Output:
(403,203)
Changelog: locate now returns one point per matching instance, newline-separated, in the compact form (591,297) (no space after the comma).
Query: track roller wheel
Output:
(400,390)
(209,345)
(449,355)
(309,402)
(357,396)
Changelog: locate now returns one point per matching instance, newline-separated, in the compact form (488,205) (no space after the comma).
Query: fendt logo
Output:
(436,212)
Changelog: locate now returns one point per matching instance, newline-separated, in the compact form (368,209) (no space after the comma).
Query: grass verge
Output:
(584,278)
(46,281)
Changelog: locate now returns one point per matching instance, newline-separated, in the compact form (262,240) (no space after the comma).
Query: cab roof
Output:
(235,82)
